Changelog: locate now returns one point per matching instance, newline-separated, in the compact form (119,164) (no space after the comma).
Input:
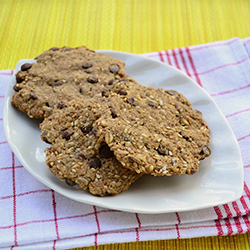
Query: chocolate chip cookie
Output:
(75,155)
(153,131)
(63,74)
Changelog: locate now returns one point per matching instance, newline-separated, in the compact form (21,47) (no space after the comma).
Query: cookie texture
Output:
(149,131)
(63,74)
(104,129)
(76,156)
(153,131)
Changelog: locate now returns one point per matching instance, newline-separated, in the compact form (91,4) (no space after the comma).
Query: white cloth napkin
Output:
(32,216)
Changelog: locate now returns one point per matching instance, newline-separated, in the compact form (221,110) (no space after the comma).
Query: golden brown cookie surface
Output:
(63,74)
(77,157)
(154,131)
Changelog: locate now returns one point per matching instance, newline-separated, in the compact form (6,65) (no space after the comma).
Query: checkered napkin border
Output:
(33,216)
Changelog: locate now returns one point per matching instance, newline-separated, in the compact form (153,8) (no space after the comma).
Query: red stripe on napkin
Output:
(193,66)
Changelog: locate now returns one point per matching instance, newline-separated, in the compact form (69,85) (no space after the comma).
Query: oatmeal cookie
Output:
(64,74)
(76,156)
(153,131)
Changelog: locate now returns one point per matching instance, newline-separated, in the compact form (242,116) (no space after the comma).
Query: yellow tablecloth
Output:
(28,27)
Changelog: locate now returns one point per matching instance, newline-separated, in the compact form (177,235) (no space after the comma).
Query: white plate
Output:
(219,180)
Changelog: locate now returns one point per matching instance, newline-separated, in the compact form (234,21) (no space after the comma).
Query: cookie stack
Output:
(105,129)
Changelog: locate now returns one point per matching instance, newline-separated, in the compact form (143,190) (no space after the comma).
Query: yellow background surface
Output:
(28,27)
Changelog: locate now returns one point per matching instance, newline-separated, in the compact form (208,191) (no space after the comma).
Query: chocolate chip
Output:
(87,65)
(81,156)
(50,83)
(94,163)
(81,90)
(114,68)
(192,171)
(111,81)
(26,66)
(161,151)
(105,93)
(61,105)
(66,134)
(18,78)
(122,92)
(92,79)
(51,104)
(185,135)
(44,137)
(16,88)
(123,80)
(205,151)
(131,100)
(33,95)
(113,113)
(105,151)
(70,182)
(171,92)
(57,83)
(94,132)
(152,104)
(86,129)
(54,49)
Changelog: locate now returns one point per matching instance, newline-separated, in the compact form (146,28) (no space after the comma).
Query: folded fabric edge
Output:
(246,43)
(202,45)
(141,234)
